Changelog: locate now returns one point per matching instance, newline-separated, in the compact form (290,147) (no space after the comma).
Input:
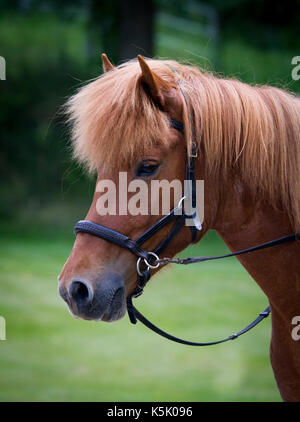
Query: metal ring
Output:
(138,267)
(138,262)
(156,258)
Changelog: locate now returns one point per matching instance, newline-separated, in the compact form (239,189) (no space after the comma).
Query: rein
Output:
(150,260)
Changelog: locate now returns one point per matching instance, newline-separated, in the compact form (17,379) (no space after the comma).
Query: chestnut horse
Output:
(248,146)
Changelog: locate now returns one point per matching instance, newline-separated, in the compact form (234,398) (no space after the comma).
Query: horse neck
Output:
(243,222)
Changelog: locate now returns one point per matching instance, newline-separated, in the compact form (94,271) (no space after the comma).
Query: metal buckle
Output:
(144,260)
(181,201)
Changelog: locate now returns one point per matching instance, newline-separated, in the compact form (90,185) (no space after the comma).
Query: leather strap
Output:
(196,259)
(157,227)
(110,235)
(176,125)
(136,315)
(164,334)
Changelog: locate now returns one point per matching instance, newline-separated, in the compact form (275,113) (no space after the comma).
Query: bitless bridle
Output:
(150,260)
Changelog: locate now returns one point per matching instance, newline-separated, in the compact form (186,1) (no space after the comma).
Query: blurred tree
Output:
(263,23)
(104,20)
(136,29)
(126,27)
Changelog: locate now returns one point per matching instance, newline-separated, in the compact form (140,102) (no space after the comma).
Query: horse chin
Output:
(117,307)
(114,315)
(110,315)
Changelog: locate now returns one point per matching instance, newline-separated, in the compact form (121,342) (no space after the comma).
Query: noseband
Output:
(150,260)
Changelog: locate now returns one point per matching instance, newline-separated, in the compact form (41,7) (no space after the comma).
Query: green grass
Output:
(51,356)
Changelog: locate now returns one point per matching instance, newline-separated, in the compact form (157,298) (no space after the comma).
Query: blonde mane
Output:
(253,129)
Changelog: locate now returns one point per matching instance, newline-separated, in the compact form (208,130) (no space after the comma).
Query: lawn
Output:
(51,356)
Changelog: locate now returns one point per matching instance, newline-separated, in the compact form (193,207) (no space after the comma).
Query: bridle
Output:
(147,260)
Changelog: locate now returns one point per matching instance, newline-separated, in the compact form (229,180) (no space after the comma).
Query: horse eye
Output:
(145,169)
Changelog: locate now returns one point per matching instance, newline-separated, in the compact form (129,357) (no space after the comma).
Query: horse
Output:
(247,141)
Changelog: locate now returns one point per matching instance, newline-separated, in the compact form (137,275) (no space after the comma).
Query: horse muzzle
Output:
(102,299)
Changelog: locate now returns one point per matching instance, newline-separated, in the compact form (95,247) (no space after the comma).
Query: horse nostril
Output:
(80,292)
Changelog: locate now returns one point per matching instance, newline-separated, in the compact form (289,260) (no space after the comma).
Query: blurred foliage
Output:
(51,48)
(267,24)
(46,62)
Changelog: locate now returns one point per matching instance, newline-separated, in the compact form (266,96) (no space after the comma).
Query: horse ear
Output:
(106,64)
(156,86)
